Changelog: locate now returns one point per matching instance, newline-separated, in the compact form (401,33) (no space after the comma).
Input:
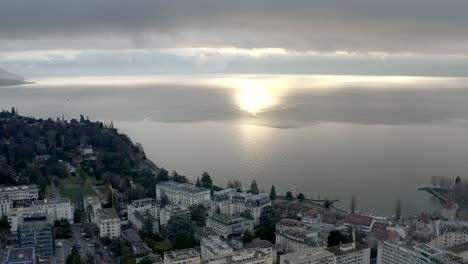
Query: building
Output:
(182,256)
(21,193)
(108,222)
(266,246)
(449,210)
(5,204)
(21,256)
(214,247)
(57,208)
(292,235)
(231,202)
(360,223)
(351,253)
(311,217)
(143,206)
(228,226)
(401,253)
(18,213)
(140,219)
(183,194)
(37,230)
(309,256)
(245,256)
(91,203)
(449,234)
(172,210)
(460,251)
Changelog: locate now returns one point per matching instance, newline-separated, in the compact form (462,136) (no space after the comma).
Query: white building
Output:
(57,208)
(351,253)
(266,246)
(292,236)
(214,247)
(309,256)
(143,206)
(360,223)
(400,253)
(5,205)
(449,234)
(172,210)
(227,226)
(182,256)
(183,194)
(108,222)
(231,202)
(311,218)
(16,214)
(91,203)
(245,256)
(21,193)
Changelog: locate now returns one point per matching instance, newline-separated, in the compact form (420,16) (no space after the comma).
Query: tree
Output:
(206,180)
(77,215)
(235,184)
(267,224)
(180,232)
(163,175)
(300,196)
(335,238)
(198,214)
(63,229)
(247,237)
(272,193)
(289,195)
(164,199)
(74,257)
(146,261)
(198,184)
(13,111)
(398,210)
(254,187)
(4,228)
(353,204)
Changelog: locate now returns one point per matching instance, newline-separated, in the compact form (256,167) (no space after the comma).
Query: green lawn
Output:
(72,188)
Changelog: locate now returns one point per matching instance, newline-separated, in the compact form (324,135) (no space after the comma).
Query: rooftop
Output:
(186,187)
(18,188)
(143,202)
(51,201)
(459,248)
(20,254)
(259,243)
(346,248)
(299,256)
(181,254)
(362,220)
(107,213)
(228,219)
(311,213)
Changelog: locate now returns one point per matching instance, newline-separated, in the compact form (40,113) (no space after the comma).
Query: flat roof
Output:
(459,248)
(107,213)
(19,254)
(346,248)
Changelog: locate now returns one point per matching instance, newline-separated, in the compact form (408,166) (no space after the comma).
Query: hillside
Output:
(8,78)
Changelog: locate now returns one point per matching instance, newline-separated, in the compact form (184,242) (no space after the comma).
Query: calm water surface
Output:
(378,138)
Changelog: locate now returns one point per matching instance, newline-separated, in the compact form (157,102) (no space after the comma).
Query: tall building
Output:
(21,256)
(108,222)
(231,202)
(5,205)
(37,230)
(21,193)
(182,256)
(309,256)
(170,211)
(183,194)
(400,253)
(57,208)
(351,253)
(228,226)
(143,206)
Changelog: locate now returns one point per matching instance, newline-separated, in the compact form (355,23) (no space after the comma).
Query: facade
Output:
(231,202)
(171,211)
(292,235)
(460,251)
(21,256)
(140,219)
(351,253)
(182,256)
(183,194)
(5,204)
(265,245)
(311,217)
(143,206)
(21,193)
(108,222)
(245,256)
(91,203)
(37,230)
(309,256)
(56,208)
(399,253)
(18,213)
(214,247)
(228,226)
(449,234)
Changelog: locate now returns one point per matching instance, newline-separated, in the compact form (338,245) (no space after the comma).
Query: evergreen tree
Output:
(267,224)
(335,238)
(163,175)
(198,184)
(206,180)
(300,196)
(254,187)
(289,195)
(74,257)
(272,193)
(13,111)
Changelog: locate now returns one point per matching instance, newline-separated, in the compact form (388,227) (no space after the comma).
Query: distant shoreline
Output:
(10,82)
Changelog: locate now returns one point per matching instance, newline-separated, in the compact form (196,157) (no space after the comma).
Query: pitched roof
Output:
(359,220)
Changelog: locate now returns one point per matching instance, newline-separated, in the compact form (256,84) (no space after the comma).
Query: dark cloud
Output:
(417,26)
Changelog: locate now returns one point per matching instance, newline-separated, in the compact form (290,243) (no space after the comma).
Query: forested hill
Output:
(42,151)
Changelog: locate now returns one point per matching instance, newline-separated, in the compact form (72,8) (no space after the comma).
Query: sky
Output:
(55,38)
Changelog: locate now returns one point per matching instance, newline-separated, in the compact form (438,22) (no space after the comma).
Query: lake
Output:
(378,138)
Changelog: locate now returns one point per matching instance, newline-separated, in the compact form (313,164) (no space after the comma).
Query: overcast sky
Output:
(95,37)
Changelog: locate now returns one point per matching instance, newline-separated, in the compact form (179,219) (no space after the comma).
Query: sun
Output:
(254,99)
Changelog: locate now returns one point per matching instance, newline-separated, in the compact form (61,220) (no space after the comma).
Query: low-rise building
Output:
(21,256)
(140,219)
(231,202)
(170,211)
(183,194)
(406,253)
(37,230)
(182,256)
(244,256)
(18,213)
(449,234)
(143,206)
(311,217)
(351,253)
(228,226)
(21,193)
(266,246)
(108,222)
(309,256)
(360,223)
(214,247)
(91,203)
(293,235)
(460,251)
(57,208)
